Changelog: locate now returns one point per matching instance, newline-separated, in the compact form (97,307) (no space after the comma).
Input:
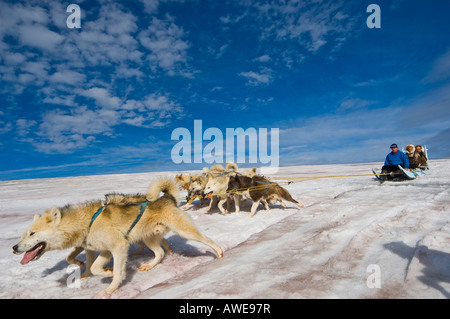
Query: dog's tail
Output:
(287,196)
(166,185)
(122,199)
(231,166)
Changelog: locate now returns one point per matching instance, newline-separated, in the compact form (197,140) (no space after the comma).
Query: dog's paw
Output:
(85,275)
(145,267)
(106,293)
(102,293)
(108,270)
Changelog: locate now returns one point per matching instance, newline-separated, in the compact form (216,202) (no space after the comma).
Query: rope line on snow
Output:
(307,178)
(283,180)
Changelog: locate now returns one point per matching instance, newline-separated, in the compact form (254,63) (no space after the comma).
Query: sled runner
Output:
(402,174)
(377,175)
(407,174)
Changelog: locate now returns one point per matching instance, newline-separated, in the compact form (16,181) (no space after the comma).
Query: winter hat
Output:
(409,146)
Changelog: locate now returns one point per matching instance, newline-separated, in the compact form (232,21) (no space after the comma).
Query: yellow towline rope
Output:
(330,176)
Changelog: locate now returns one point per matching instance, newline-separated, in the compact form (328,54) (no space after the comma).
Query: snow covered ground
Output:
(352,235)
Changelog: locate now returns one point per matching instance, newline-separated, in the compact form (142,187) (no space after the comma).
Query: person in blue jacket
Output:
(393,159)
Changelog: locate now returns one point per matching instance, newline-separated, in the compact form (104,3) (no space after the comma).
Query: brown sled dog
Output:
(260,189)
(257,188)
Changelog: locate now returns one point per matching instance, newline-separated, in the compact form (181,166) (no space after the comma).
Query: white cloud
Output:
(229,19)
(262,77)
(39,69)
(64,132)
(222,50)
(108,40)
(150,6)
(164,40)
(67,100)
(5,127)
(159,102)
(39,37)
(340,138)
(124,71)
(263,58)
(12,15)
(25,78)
(14,58)
(78,71)
(300,27)
(440,70)
(309,24)
(64,144)
(430,109)
(354,104)
(102,97)
(364,134)
(155,110)
(78,121)
(67,77)
(23,126)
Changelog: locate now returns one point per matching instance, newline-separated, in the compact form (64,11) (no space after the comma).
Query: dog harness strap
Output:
(96,214)
(267,188)
(143,206)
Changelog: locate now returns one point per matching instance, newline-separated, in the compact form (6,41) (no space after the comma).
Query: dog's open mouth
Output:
(34,253)
(209,195)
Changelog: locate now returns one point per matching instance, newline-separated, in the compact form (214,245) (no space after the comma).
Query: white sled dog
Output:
(111,229)
(120,199)
(195,184)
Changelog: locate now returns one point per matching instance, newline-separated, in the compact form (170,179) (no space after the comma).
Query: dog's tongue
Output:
(29,255)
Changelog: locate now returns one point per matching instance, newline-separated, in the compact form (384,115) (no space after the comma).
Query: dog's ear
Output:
(36,217)
(55,215)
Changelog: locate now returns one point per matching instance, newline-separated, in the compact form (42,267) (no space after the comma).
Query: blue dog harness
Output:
(268,185)
(141,212)
(143,206)
(96,215)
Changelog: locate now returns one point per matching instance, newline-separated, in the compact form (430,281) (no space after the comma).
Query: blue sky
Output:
(105,98)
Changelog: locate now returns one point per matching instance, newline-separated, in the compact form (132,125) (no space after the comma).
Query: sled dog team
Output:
(223,184)
(112,225)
